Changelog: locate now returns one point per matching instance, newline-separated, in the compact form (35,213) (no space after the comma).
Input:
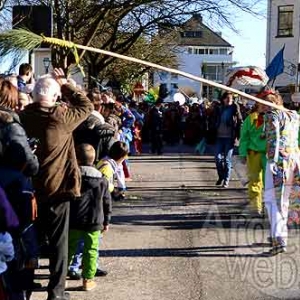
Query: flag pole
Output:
(273,81)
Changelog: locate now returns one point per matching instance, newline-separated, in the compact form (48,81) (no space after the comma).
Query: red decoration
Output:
(244,73)
(138,89)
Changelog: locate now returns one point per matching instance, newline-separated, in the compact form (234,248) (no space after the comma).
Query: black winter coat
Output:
(214,122)
(15,150)
(100,136)
(155,120)
(92,210)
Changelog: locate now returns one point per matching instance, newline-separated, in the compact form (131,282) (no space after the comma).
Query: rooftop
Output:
(194,33)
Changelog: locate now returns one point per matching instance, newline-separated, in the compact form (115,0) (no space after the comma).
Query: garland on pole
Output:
(15,41)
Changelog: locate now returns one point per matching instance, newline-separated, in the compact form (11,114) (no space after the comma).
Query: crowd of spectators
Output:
(60,150)
(64,155)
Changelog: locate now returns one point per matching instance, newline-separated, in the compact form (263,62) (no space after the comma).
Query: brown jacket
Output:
(59,173)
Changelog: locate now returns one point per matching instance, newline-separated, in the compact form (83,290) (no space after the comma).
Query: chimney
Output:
(198,17)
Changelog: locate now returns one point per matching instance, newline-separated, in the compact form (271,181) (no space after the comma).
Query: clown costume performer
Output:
(252,149)
(282,170)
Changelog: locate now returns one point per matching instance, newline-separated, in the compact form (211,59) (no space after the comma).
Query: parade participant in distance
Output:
(155,123)
(228,120)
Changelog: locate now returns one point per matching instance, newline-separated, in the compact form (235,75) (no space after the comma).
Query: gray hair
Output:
(46,89)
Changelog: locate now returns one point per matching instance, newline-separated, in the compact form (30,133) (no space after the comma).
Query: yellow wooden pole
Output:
(181,73)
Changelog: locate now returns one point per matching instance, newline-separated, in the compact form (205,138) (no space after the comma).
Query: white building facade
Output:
(201,52)
(41,64)
(283,24)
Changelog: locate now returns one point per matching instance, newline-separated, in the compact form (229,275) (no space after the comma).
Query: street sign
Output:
(138,89)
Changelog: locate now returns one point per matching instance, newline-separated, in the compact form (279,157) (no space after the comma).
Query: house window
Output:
(209,51)
(191,34)
(213,51)
(211,72)
(223,51)
(214,72)
(199,51)
(285,20)
(198,34)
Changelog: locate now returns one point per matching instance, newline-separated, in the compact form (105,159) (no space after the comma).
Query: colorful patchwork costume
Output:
(282,171)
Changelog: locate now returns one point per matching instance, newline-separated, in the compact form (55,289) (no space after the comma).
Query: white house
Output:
(201,52)
(283,24)
(41,64)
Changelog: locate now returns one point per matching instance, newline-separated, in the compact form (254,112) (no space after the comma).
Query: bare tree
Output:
(119,25)
(158,51)
(125,22)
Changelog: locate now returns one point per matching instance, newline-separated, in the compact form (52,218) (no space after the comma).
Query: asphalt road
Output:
(177,237)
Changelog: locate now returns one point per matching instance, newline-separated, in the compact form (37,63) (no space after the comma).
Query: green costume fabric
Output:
(251,136)
(253,146)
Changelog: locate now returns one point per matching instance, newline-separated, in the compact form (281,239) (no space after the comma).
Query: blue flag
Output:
(276,67)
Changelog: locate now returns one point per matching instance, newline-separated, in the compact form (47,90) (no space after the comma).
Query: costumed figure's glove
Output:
(273,167)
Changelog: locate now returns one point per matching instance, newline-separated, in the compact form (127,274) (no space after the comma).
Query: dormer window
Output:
(191,34)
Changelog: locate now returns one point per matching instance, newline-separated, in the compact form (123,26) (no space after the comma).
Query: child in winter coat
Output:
(89,215)
(112,165)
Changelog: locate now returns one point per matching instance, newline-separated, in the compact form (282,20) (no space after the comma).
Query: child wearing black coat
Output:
(89,215)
